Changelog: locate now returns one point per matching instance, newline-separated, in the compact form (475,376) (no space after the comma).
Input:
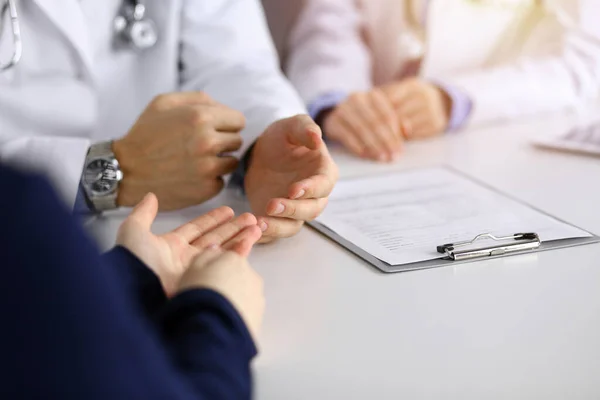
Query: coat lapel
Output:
(70,20)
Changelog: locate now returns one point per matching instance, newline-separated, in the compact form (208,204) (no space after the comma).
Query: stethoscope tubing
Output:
(16,34)
(11,6)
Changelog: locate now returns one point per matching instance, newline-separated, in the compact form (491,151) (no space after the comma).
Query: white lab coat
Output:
(72,88)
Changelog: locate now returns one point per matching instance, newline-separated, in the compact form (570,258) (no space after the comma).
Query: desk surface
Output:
(524,327)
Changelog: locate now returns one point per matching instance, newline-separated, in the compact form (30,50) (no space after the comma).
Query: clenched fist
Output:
(175,150)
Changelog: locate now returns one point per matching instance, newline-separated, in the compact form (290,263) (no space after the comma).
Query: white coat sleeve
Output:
(61,159)
(561,71)
(227,52)
(38,129)
(327,51)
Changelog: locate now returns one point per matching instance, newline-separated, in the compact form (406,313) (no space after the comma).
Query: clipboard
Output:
(470,250)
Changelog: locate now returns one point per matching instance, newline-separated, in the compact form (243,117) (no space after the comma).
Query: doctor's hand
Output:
(289,177)
(175,150)
(423,107)
(170,255)
(367,125)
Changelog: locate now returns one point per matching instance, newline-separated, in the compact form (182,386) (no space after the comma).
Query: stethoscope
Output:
(16,33)
(133,29)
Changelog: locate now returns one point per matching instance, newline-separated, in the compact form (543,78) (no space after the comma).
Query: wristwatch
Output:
(101,177)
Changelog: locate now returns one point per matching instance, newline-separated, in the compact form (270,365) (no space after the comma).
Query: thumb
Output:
(145,212)
(304,132)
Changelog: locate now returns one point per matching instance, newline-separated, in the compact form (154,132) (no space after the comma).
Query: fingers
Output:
(338,130)
(378,112)
(389,116)
(228,120)
(304,132)
(381,134)
(274,228)
(420,121)
(423,104)
(225,165)
(227,142)
(179,99)
(217,116)
(301,210)
(221,234)
(374,122)
(407,128)
(145,212)
(243,242)
(361,131)
(423,129)
(205,223)
(402,91)
(217,166)
(411,113)
(207,256)
(411,109)
(208,141)
(313,188)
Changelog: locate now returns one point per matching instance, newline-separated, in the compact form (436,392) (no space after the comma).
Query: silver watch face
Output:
(101,176)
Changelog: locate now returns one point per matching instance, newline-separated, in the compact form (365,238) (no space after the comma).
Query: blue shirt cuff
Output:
(239,175)
(325,102)
(462,106)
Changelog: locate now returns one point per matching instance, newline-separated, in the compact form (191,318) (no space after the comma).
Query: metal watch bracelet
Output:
(108,202)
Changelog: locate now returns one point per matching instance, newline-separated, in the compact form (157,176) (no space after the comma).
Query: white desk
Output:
(524,327)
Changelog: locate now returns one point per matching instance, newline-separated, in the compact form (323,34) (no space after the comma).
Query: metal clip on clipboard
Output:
(520,242)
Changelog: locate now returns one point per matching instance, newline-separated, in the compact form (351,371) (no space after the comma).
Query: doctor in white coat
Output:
(161,117)
(378,72)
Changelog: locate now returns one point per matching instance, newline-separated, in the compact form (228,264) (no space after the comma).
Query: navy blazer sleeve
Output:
(140,283)
(70,329)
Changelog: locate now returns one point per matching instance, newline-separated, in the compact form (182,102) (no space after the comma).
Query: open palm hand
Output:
(170,255)
(290,176)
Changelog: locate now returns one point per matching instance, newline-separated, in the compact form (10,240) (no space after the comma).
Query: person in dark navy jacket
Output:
(158,317)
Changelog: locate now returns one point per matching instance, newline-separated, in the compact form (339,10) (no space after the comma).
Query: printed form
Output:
(401,218)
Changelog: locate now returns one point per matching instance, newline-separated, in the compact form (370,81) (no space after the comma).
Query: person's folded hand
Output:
(422,107)
(170,255)
(289,177)
(367,125)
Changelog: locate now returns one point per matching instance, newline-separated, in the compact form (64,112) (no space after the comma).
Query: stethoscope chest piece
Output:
(133,29)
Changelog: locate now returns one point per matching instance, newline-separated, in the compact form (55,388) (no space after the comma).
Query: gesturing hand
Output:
(229,274)
(290,176)
(170,255)
(367,125)
(174,150)
(422,106)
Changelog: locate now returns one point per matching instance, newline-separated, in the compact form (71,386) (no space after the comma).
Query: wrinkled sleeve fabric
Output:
(327,51)
(243,72)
